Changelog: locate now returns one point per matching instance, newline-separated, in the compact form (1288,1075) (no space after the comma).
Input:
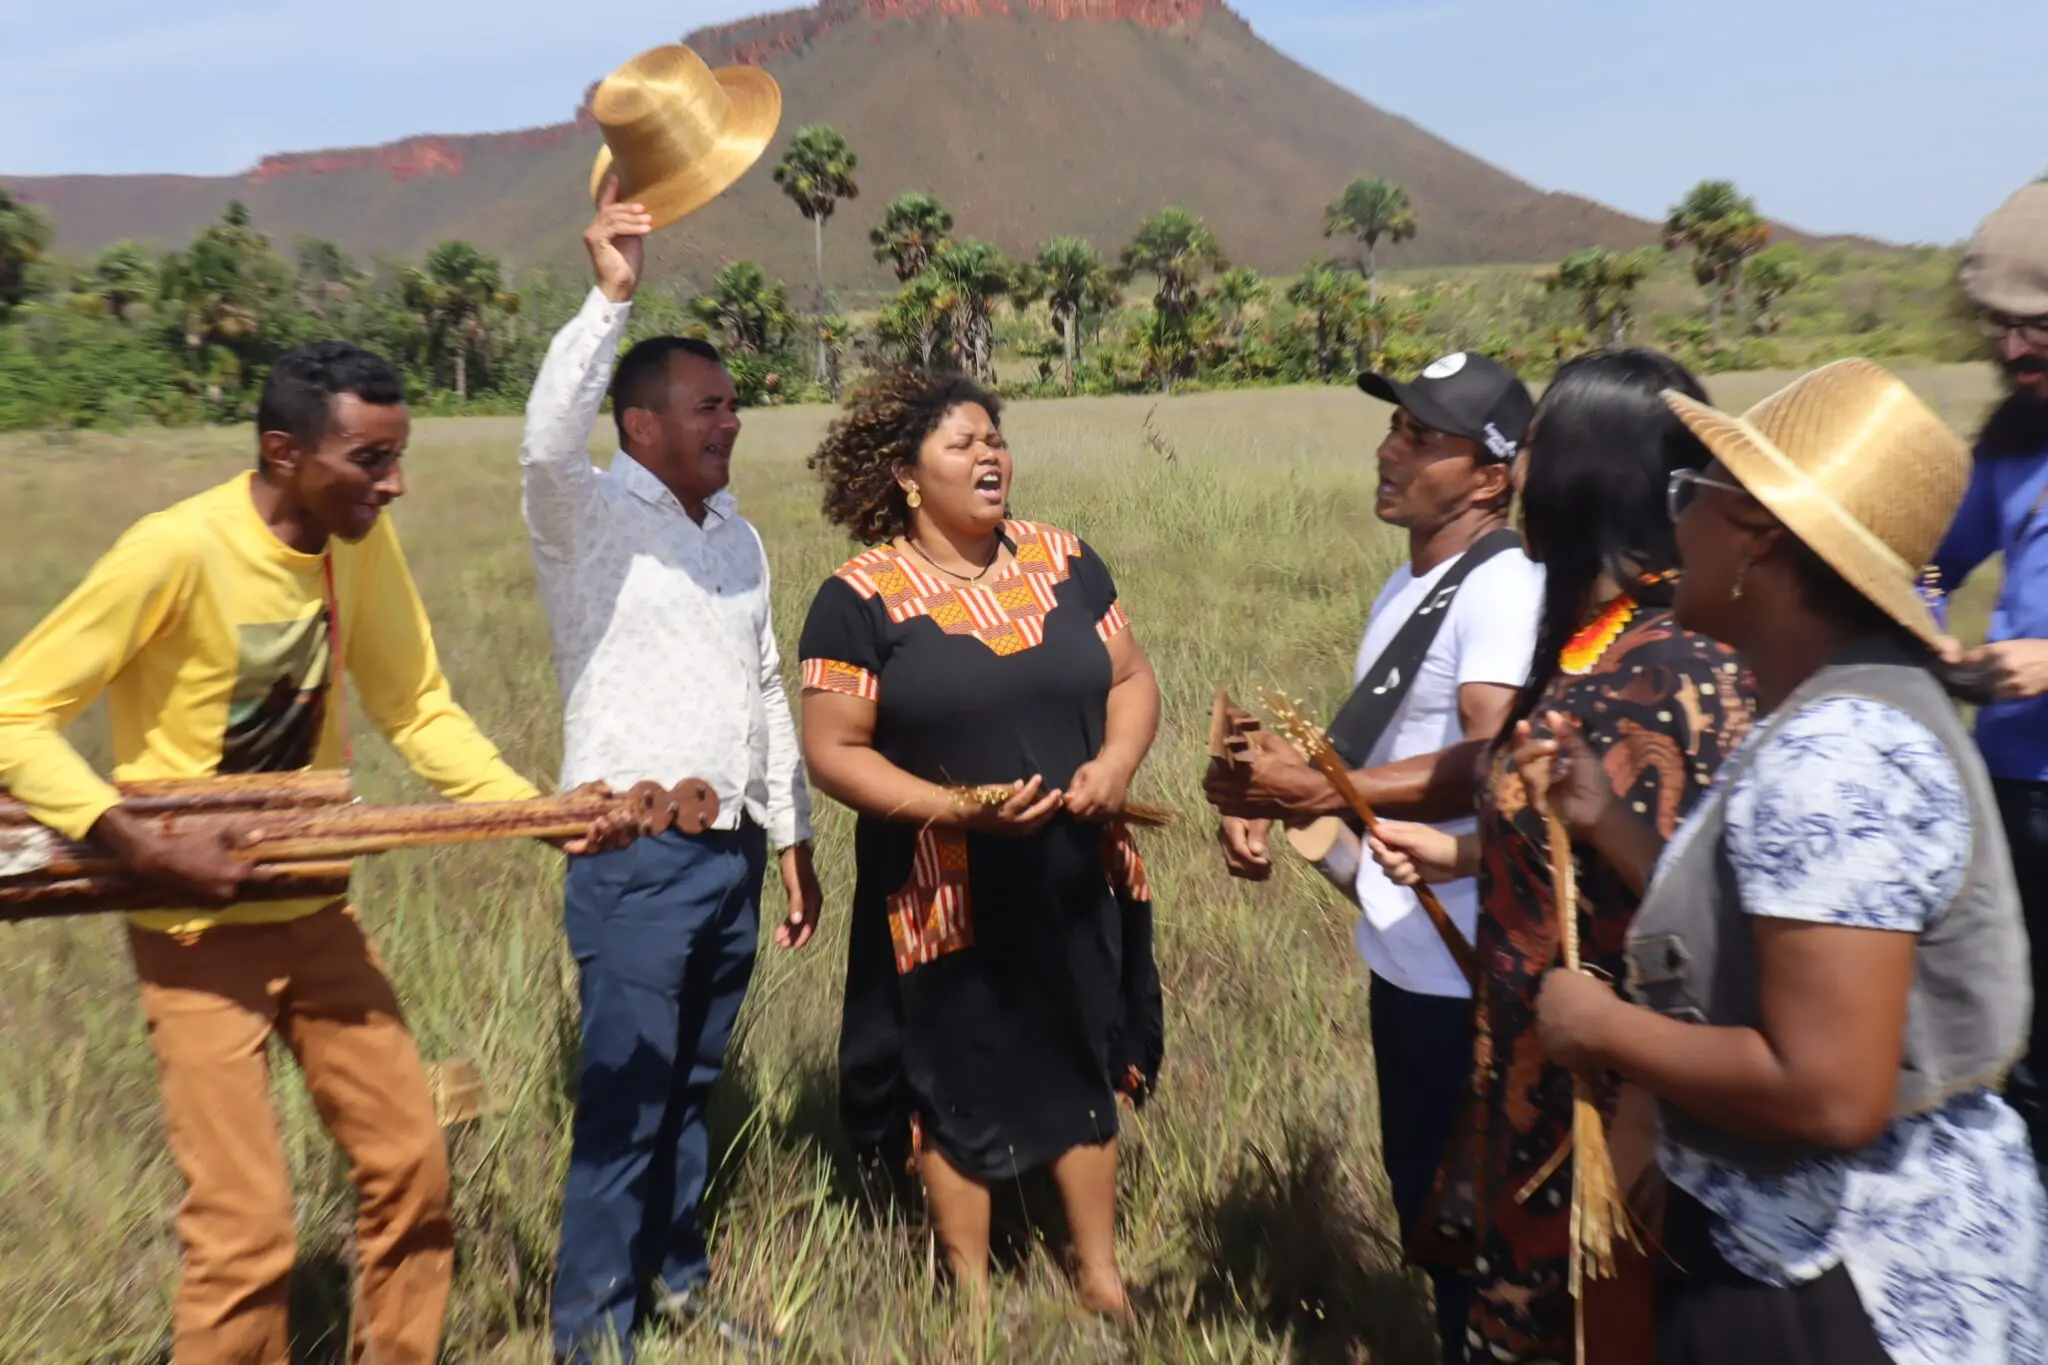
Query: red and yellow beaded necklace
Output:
(1586,648)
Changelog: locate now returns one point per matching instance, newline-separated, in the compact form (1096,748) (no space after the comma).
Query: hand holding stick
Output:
(1295,724)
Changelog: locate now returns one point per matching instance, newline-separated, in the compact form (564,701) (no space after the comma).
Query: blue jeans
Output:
(1422,1053)
(664,933)
(2025,808)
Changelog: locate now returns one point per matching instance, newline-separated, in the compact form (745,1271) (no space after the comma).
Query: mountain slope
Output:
(1026,117)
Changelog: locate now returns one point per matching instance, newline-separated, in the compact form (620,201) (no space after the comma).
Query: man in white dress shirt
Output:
(657,594)
(1446,477)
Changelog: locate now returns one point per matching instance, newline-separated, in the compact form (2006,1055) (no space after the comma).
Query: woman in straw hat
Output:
(1001,998)
(1660,706)
(1829,964)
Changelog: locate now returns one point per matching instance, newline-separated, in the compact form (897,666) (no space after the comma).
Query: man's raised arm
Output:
(555,457)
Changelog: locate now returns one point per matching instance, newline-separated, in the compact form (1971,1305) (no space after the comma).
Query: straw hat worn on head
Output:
(678,132)
(1857,467)
(2005,269)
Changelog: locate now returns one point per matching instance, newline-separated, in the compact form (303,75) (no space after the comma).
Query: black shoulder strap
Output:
(1379,694)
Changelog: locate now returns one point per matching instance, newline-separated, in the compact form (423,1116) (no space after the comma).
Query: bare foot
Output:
(1103,1292)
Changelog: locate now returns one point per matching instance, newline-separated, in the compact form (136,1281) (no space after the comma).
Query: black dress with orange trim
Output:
(1000,992)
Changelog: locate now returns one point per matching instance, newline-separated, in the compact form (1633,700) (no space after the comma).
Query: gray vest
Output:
(1692,954)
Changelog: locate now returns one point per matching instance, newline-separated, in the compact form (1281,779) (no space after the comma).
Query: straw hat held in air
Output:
(1855,466)
(677,132)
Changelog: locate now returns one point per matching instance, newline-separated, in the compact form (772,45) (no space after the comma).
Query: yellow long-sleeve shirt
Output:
(209,637)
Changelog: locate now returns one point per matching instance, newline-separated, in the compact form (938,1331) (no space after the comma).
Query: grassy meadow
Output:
(1254,1215)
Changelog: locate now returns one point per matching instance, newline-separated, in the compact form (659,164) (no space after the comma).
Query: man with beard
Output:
(2005,512)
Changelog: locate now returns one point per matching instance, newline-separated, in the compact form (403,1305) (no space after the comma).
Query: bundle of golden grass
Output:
(1144,814)
(301,838)
(1600,1215)
(1314,743)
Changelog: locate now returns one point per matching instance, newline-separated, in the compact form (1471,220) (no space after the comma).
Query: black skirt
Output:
(1710,1313)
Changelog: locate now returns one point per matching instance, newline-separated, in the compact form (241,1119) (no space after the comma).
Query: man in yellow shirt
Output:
(212,630)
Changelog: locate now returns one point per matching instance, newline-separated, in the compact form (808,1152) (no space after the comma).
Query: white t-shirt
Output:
(1489,637)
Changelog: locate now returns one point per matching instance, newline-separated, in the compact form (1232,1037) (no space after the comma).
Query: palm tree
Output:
(24,236)
(910,324)
(1178,249)
(1721,227)
(749,310)
(1625,274)
(816,173)
(913,227)
(325,274)
(1370,210)
(1748,235)
(1075,281)
(1772,274)
(973,277)
(453,295)
(1236,292)
(1328,299)
(216,293)
(1166,347)
(123,276)
(1584,274)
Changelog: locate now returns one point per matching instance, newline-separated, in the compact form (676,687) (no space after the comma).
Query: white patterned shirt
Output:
(664,646)
(1853,814)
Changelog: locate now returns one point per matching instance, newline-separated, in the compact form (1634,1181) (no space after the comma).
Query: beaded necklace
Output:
(1586,648)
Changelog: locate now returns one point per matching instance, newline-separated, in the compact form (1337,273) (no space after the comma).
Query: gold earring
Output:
(1741,578)
(915,499)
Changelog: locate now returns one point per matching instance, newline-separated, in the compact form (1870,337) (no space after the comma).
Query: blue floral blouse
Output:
(1853,814)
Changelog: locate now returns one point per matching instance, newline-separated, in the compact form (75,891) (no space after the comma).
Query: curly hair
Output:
(887,421)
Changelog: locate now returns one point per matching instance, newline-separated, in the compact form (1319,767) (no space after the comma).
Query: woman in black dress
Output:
(1000,987)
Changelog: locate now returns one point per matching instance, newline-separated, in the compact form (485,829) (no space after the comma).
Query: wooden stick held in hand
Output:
(45,899)
(1315,743)
(1600,1215)
(310,789)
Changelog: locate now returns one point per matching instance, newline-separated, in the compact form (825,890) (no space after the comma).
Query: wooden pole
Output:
(355,831)
(43,899)
(227,792)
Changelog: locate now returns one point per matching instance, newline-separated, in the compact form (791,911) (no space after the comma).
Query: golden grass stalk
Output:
(1600,1216)
(1314,742)
(1144,814)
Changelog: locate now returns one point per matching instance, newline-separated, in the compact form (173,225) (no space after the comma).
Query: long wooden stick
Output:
(44,899)
(357,831)
(1600,1218)
(228,792)
(1316,744)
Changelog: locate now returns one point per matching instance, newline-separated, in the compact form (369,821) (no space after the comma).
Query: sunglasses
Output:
(1684,490)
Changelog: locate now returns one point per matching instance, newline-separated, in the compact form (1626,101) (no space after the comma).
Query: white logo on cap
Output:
(1445,368)
(1500,445)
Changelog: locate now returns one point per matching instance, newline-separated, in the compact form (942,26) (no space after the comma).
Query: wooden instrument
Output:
(1293,722)
(294,828)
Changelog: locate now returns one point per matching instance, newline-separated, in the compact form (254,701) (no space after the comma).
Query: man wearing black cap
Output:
(1450,640)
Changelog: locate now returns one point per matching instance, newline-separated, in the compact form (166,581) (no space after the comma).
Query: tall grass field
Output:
(1255,1222)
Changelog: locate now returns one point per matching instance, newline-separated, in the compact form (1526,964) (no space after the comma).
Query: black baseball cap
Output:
(1466,394)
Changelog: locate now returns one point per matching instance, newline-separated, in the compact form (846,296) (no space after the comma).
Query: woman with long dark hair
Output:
(1829,968)
(1659,706)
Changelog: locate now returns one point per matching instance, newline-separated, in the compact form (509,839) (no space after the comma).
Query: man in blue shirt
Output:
(2005,512)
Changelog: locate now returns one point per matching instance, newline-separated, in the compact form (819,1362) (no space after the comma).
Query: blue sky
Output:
(1870,116)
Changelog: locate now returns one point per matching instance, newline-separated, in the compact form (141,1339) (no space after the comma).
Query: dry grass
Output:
(1254,1215)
